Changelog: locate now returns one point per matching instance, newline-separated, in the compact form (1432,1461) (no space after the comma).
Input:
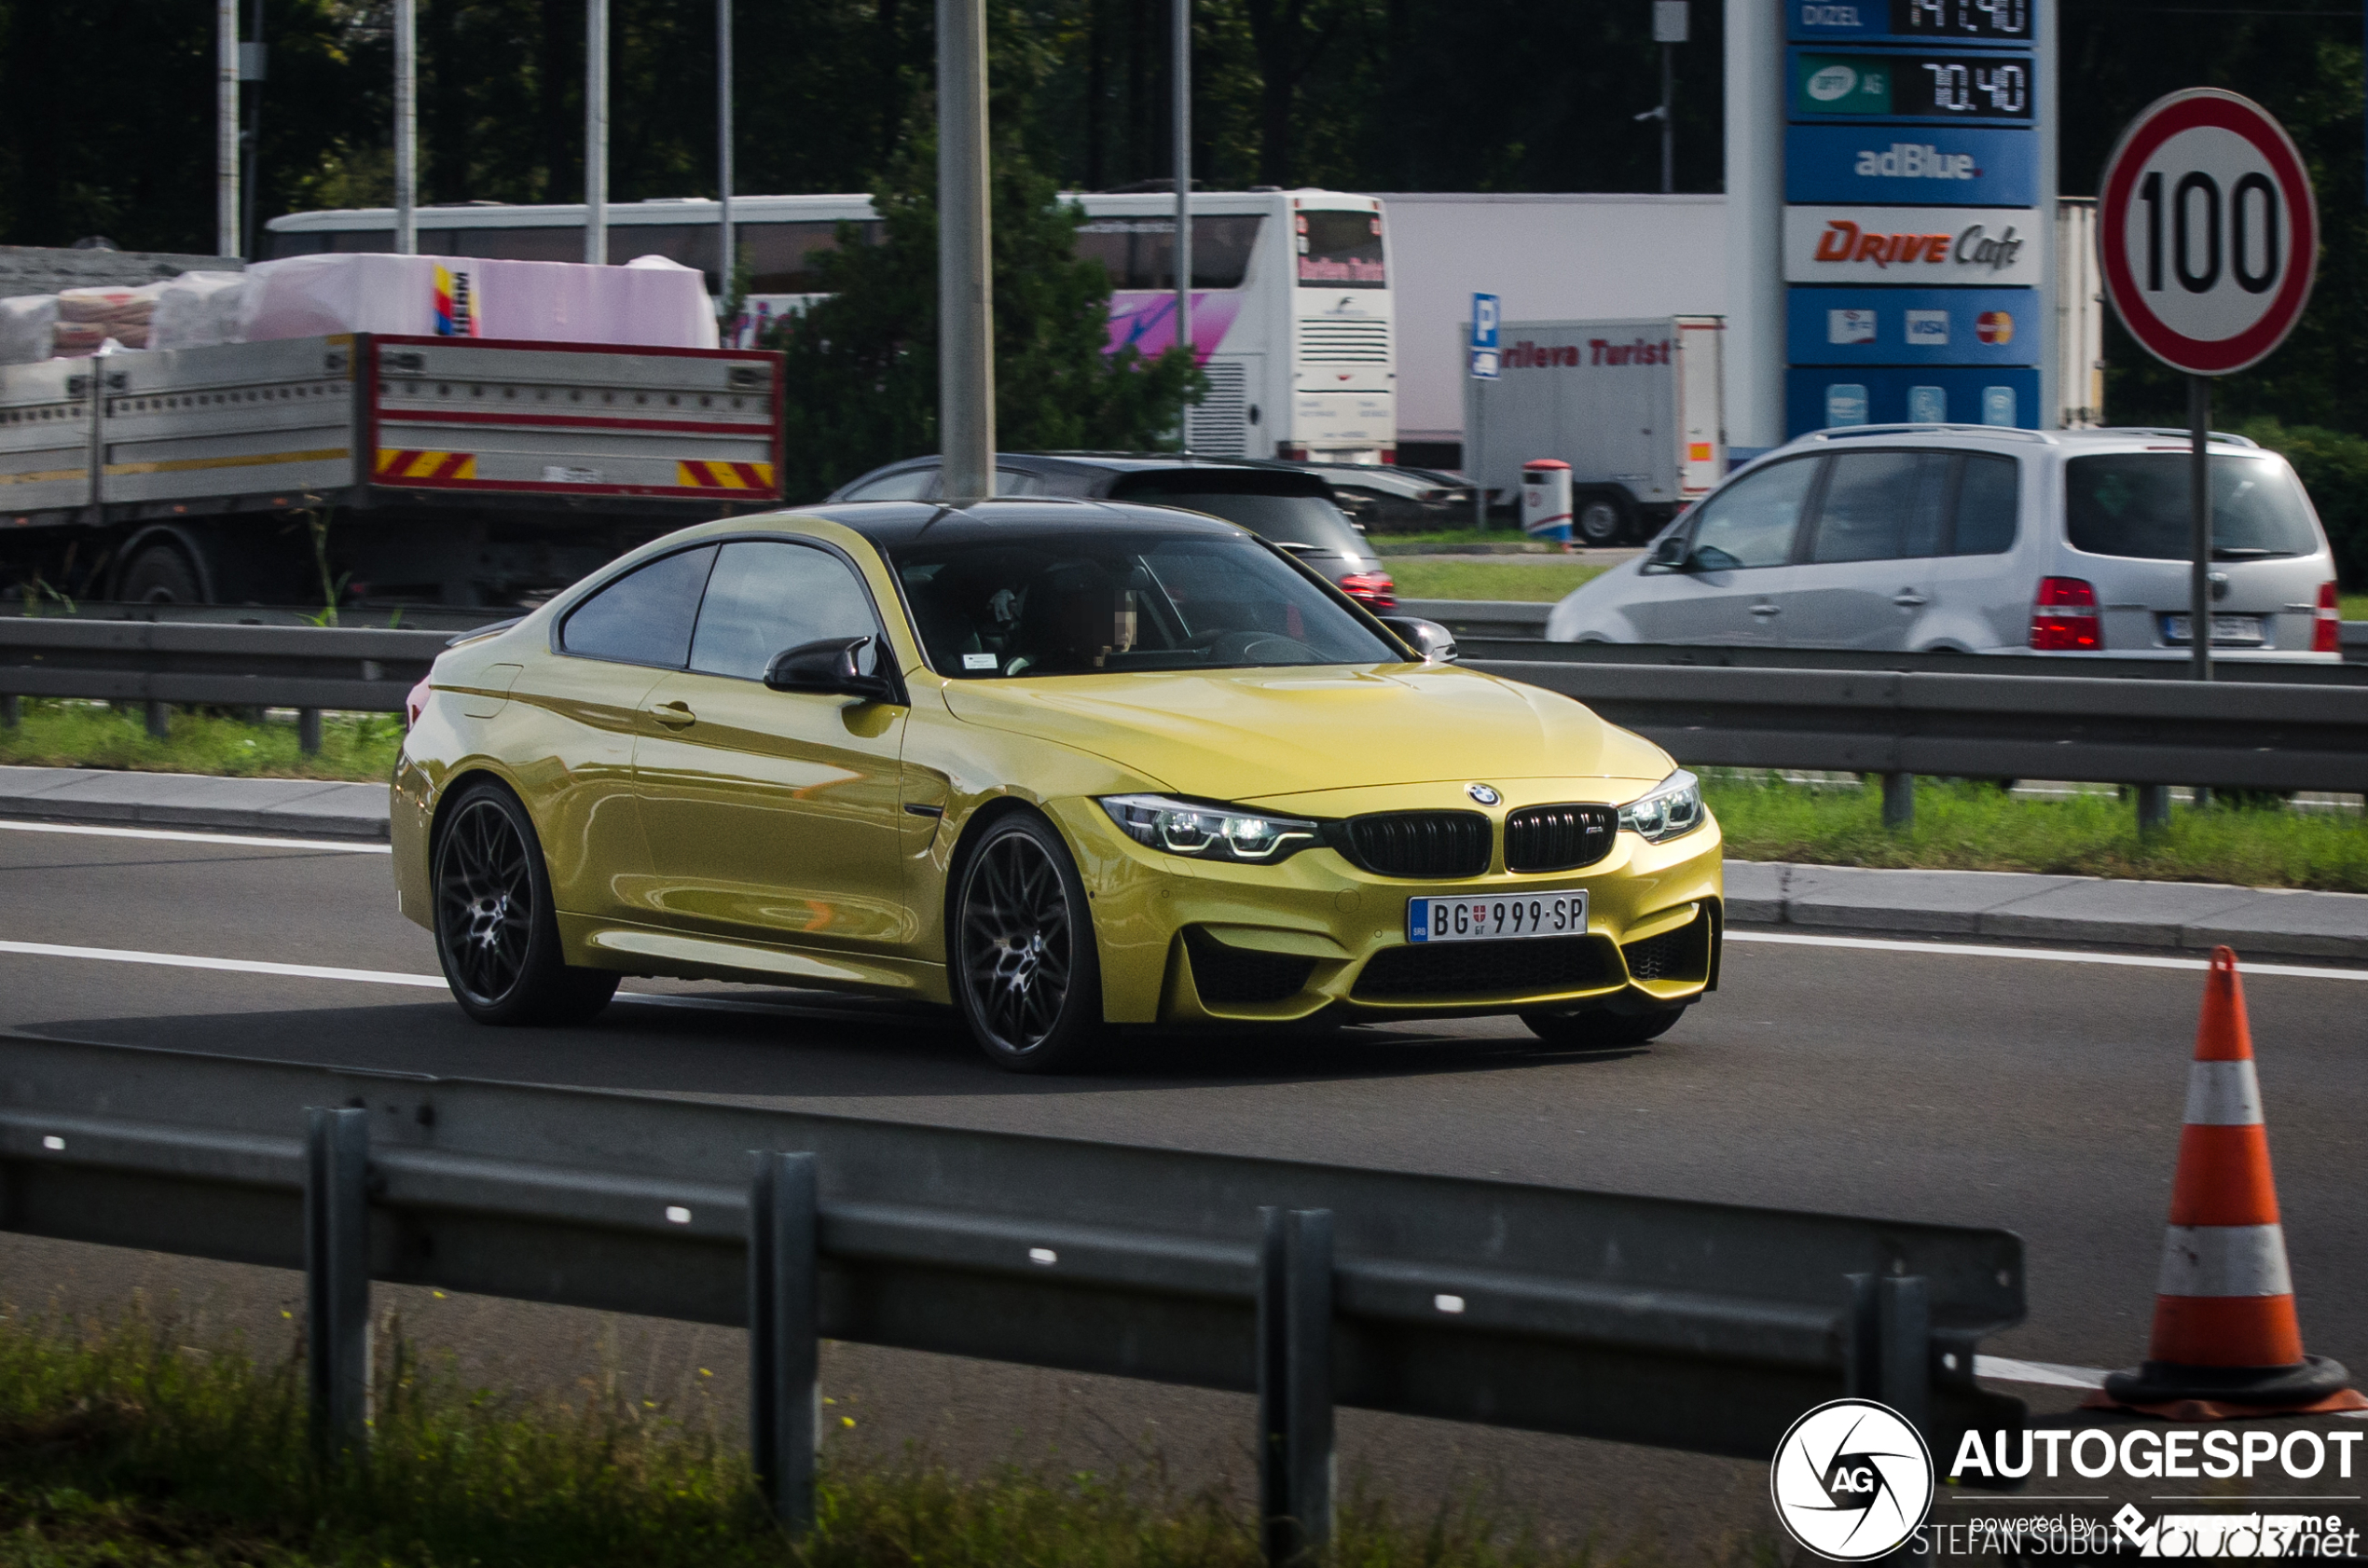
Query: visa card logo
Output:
(1927,329)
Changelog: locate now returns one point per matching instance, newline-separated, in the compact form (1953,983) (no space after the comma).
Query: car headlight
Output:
(1208,832)
(1673,807)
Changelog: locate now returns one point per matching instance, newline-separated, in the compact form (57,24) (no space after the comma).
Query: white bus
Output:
(1291,313)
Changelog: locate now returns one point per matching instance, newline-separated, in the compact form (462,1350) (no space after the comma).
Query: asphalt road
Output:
(1975,1089)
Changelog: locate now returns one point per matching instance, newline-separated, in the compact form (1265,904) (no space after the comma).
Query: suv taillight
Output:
(2327,631)
(2063,616)
(1374,590)
(1290,451)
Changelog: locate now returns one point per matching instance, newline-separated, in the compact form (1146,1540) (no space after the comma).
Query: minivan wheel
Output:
(1602,1029)
(1026,976)
(497,935)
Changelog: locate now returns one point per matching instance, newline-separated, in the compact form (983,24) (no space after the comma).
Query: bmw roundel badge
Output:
(1483,793)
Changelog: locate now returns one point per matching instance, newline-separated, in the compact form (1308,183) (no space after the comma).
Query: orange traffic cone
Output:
(2225,1333)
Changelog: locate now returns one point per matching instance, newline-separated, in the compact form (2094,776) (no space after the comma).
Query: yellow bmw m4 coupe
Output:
(1061,766)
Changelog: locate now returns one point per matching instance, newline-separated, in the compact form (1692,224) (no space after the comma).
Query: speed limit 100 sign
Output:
(2208,232)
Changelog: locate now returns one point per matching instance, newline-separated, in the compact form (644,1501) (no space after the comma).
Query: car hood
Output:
(1247,734)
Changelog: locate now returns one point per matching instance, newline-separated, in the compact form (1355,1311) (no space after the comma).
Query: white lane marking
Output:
(2003,1369)
(344,846)
(2072,955)
(366,977)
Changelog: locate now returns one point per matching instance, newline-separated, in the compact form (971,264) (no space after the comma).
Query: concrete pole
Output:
(596,132)
(1184,194)
(965,281)
(226,128)
(2051,275)
(407,127)
(1754,347)
(723,154)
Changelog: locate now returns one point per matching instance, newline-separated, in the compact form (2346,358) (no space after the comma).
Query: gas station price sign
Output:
(1970,22)
(1911,86)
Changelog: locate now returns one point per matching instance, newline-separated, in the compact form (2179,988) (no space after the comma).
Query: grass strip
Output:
(129,1447)
(1967,826)
(64,732)
(1535,583)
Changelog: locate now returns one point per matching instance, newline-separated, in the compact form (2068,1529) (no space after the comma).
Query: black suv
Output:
(1290,506)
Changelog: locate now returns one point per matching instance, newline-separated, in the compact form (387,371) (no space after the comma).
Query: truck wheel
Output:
(160,574)
(1599,521)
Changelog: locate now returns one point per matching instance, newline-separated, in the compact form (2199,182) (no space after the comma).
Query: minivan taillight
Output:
(2063,616)
(2327,631)
(415,702)
(1374,590)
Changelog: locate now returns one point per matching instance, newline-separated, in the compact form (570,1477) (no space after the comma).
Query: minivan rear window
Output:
(2136,504)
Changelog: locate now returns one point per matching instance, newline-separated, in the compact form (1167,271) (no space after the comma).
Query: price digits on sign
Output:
(1974,87)
(1965,19)
(2197,216)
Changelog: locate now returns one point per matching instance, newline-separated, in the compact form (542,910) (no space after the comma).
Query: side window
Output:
(1751,522)
(767,596)
(1986,506)
(1881,506)
(905,484)
(1010,481)
(643,617)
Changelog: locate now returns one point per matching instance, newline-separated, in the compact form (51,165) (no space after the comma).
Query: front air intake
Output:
(1434,844)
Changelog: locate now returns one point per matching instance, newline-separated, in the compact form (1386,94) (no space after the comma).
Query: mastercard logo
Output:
(1994,326)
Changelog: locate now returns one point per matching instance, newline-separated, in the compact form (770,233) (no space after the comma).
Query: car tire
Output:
(497,934)
(1027,975)
(1602,1029)
(1598,520)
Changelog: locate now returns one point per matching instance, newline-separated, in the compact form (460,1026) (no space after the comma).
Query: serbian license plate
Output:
(2242,629)
(1493,919)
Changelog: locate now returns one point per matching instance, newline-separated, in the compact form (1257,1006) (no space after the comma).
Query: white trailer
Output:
(1632,405)
(446,470)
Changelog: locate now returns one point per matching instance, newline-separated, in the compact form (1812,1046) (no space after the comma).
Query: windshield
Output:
(2135,503)
(1086,602)
(1309,521)
(1341,251)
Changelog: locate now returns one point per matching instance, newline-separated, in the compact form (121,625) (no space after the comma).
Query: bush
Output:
(2333,466)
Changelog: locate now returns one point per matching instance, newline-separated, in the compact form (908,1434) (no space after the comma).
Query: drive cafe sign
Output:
(1998,246)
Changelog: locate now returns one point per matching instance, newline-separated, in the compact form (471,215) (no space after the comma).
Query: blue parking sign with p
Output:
(1483,343)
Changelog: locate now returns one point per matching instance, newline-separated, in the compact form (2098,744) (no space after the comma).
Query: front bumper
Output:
(1186,942)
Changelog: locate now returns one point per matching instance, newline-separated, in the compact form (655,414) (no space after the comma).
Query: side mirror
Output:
(1435,642)
(1673,553)
(831,667)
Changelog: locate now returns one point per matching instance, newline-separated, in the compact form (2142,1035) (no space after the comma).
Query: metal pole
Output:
(1753,351)
(337,1278)
(965,283)
(250,69)
(725,259)
(2199,524)
(1669,123)
(1296,1459)
(1183,52)
(226,128)
(784,1368)
(407,127)
(596,132)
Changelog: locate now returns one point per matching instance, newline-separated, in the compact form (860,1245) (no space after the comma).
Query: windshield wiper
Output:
(2244,552)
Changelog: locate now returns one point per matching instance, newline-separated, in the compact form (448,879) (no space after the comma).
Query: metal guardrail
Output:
(1702,1326)
(2148,732)
(1513,630)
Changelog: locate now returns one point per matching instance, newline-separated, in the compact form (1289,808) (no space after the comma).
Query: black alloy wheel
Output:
(496,933)
(1602,1029)
(1026,976)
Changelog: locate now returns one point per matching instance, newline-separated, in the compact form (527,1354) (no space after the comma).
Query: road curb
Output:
(299,807)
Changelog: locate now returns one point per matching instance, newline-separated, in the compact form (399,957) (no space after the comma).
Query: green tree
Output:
(860,383)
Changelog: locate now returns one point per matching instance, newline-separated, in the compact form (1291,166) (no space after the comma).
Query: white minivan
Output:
(1980,539)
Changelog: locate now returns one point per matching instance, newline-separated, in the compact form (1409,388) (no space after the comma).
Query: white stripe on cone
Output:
(2222,1094)
(2224,1260)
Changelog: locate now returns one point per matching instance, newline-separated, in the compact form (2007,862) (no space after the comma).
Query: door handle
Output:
(674,715)
(1766,609)
(1908,598)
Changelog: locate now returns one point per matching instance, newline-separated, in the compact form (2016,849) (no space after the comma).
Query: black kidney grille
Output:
(1223,974)
(1559,837)
(1428,844)
(1536,967)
